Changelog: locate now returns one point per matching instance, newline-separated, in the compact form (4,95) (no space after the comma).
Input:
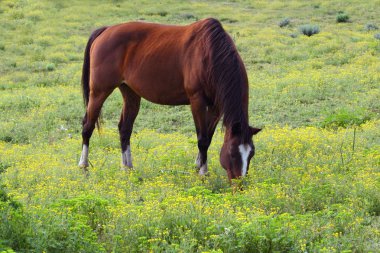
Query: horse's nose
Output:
(234,173)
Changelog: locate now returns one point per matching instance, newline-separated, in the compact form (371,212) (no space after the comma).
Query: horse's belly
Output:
(159,93)
(167,99)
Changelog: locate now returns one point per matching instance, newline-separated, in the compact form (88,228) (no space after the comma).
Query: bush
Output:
(345,118)
(371,27)
(49,230)
(284,22)
(13,224)
(158,13)
(55,231)
(342,18)
(187,16)
(92,209)
(377,36)
(3,167)
(309,30)
(50,66)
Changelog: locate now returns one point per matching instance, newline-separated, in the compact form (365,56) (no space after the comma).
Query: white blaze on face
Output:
(244,150)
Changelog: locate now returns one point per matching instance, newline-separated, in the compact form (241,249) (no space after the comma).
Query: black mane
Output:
(227,75)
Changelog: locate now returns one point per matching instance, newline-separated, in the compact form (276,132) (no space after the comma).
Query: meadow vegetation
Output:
(313,186)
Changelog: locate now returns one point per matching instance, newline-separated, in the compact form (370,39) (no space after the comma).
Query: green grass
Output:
(313,185)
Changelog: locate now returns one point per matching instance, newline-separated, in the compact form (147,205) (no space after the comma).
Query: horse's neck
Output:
(234,112)
(237,129)
(233,103)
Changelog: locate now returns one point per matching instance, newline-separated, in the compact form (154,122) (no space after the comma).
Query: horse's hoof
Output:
(126,168)
(198,161)
(83,165)
(203,172)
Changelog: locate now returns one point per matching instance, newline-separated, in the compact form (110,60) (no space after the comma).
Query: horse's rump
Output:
(153,60)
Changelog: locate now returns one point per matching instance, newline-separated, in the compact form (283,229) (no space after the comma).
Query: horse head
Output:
(237,150)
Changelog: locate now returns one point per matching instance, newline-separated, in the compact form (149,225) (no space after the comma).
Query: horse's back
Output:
(161,63)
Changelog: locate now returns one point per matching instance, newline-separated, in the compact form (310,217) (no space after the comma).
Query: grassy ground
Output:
(313,185)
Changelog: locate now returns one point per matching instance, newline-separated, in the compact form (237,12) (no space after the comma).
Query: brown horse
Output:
(197,64)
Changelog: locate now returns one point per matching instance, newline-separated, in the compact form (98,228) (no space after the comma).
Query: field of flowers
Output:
(313,186)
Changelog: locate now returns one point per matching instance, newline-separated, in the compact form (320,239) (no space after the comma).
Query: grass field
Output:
(313,186)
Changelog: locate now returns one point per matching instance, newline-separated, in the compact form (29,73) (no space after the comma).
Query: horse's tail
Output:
(86,65)
(86,68)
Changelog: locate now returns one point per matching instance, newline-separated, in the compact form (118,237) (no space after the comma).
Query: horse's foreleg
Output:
(199,111)
(212,119)
(92,113)
(131,108)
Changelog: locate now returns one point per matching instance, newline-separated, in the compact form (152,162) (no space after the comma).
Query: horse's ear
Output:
(236,129)
(254,130)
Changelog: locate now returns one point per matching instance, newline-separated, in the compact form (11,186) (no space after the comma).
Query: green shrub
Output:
(163,13)
(284,22)
(377,36)
(187,16)
(50,66)
(158,13)
(309,30)
(3,167)
(62,232)
(13,224)
(50,231)
(94,209)
(371,27)
(345,118)
(228,20)
(342,18)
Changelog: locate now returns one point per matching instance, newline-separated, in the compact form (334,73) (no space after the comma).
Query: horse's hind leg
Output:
(131,108)
(94,106)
